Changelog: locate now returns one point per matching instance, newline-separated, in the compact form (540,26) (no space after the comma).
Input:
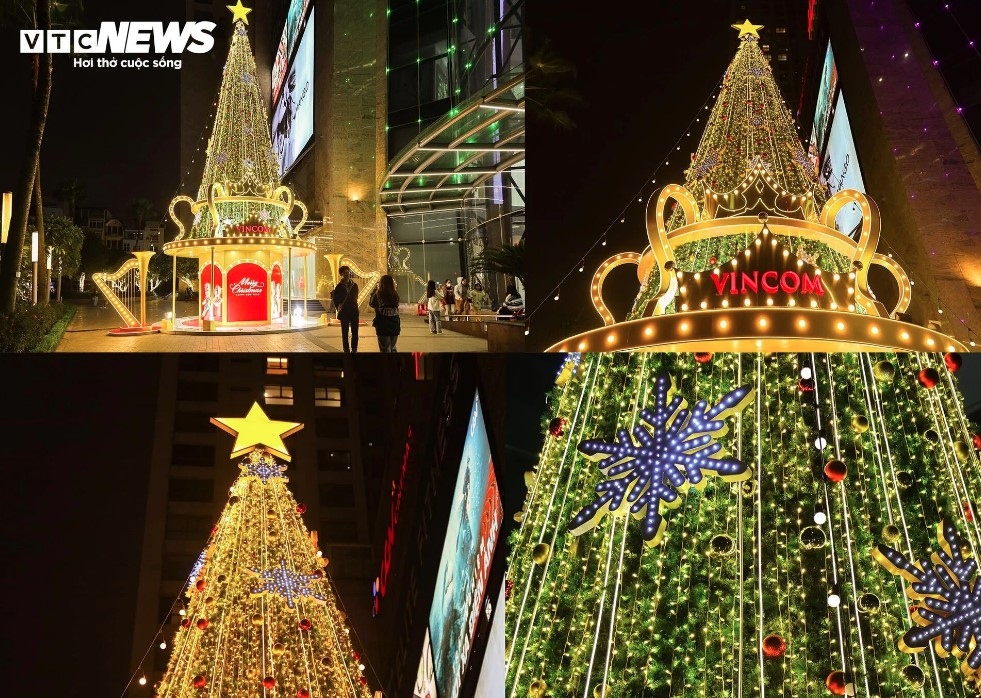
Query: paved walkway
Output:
(88,330)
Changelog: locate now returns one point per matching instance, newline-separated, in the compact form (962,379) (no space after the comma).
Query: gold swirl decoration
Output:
(766,298)
(335,261)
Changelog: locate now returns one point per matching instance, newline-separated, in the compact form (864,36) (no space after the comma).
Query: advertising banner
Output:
(248,293)
(468,551)
(426,677)
(822,112)
(295,21)
(292,125)
(840,169)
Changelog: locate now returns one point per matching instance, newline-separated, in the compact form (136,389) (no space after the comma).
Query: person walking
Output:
(345,299)
(433,302)
(462,293)
(385,300)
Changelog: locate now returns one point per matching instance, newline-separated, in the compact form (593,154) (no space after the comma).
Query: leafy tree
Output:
(66,239)
(504,259)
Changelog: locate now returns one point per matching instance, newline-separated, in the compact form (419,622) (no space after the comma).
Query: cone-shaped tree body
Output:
(261,617)
(764,578)
(240,152)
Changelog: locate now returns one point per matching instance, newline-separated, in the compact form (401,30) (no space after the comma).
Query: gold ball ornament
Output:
(272,535)
(540,553)
(537,688)
(234,499)
(600,691)
(962,451)
(869,603)
(270,513)
(278,649)
(890,533)
(860,423)
(913,675)
(257,619)
(884,371)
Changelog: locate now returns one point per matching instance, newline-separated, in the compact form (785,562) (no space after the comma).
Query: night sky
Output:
(641,77)
(115,130)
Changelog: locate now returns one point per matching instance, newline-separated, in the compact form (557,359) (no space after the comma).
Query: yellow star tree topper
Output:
(239,12)
(256,430)
(747,28)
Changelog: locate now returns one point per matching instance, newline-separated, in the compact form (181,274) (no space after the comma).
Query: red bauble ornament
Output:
(713,260)
(357,657)
(968,513)
(555,426)
(836,682)
(835,470)
(199,585)
(703,357)
(202,623)
(186,623)
(303,693)
(301,508)
(214,529)
(953,361)
(913,610)
(976,441)
(199,681)
(305,624)
(774,646)
(363,680)
(929,377)
(269,682)
(508,588)
(806,385)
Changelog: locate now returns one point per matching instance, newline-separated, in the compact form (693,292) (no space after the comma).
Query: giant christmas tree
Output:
(747,524)
(261,618)
(791,524)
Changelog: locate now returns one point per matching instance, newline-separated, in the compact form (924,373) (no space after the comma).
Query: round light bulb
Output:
(805,372)
(163,645)
(182,612)
(820,443)
(361,667)
(820,518)
(834,600)
(143,681)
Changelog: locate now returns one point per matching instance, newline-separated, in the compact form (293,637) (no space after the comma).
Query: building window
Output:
(328,367)
(782,57)
(188,490)
(336,495)
(197,391)
(332,428)
(277,366)
(193,423)
(327,397)
(334,460)
(279,394)
(194,455)
(765,47)
(196,362)
(781,30)
(181,527)
(177,567)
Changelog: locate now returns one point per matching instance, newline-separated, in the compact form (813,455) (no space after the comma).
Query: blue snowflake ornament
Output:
(261,465)
(650,468)
(948,593)
(284,582)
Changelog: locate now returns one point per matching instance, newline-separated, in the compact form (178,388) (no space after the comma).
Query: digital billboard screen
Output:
(840,169)
(292,125)
(825,99)
(491,682)
(295,21)
(468,550)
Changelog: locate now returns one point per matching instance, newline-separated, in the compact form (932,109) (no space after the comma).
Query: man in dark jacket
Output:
(345,299)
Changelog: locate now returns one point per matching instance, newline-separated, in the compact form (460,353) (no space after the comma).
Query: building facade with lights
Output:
(879,118)
(454,178)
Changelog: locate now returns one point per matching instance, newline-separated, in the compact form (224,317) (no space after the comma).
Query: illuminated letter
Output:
(812,285)
(720,282)
(772,286)
(751,282)
(789,282)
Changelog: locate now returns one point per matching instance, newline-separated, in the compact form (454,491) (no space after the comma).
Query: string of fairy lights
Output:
(601,614)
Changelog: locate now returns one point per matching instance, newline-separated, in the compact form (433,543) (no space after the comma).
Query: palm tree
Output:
(143,210)
(42,15)
(70,193)
(504,259)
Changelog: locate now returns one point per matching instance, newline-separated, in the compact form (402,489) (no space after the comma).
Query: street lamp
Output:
(34,252)
(5,210)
